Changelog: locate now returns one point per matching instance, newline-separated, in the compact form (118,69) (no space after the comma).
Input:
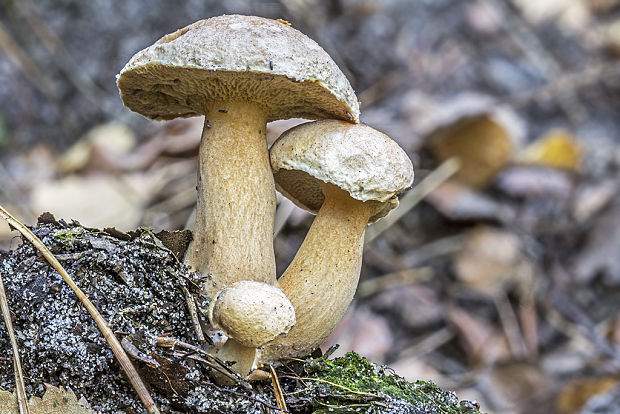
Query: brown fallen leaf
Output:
(577,392)
(483,343)
(556,149)
(514,386)
(491,261)
(56,400)
(459,202)
(481,143)
(102,143)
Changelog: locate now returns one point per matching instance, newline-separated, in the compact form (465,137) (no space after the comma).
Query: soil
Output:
(139,286)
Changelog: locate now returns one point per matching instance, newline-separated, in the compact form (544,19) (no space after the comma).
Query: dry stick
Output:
(117,349)
(191,308)
(20,388)
(413,197)
(277,390)
(214,362)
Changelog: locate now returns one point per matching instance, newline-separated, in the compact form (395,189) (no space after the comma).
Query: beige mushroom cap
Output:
(236,57)
(252,313)
(357,158)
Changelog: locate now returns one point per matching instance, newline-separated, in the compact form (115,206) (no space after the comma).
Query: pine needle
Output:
(20,388)
(117,349)
(413,197)
(280,401)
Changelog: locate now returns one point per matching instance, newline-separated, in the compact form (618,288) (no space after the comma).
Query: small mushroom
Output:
(251,314)
(350,175)
(240,72)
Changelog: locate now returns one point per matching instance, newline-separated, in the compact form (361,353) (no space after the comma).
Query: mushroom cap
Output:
(357,158)
(252,313)
(234,57)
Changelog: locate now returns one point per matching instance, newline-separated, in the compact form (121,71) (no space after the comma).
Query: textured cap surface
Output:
(252,313)
(235,57)
(357,158)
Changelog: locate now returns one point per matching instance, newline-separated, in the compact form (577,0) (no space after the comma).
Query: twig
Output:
(211,361)
(508,319)
(117,349)
(191,308)
(413,197)
(20,387)
(277,390)
(402,277)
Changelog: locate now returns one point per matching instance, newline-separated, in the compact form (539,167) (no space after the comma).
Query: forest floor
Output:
(502,284)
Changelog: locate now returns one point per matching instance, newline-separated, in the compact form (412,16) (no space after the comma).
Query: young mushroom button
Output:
(350,175)
(240,72)
(251,314)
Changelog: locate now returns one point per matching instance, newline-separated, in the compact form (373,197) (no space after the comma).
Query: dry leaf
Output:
(459,202)
(96,201)
(483,343)
(571,14)
(576,393)
(556,149)
(481,144)
(591,198)
(56,400)
(107,141)
(513,386)
(533,181)
(364,332)
(491,260)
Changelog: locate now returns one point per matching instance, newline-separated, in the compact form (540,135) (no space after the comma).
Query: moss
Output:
(68,236)
(354,384)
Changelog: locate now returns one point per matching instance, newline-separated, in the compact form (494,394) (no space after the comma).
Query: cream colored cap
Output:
(252,313)
(357,158)
(235,57)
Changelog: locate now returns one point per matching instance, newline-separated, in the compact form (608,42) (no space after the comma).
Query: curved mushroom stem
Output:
(322,278)
(242,356)
(233,234)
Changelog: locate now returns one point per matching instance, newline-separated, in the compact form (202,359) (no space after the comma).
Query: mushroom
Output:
(351,175)
(251,314)
(240,72)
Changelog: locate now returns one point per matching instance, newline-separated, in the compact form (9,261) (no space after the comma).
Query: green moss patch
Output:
(353,384)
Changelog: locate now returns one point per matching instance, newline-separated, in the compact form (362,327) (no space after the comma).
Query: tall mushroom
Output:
(351,175)
(240,72)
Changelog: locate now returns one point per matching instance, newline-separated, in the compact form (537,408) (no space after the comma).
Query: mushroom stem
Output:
(233,235)
(322,278)
(243,358)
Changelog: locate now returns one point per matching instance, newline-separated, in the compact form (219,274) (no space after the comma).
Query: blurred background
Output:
(502,283)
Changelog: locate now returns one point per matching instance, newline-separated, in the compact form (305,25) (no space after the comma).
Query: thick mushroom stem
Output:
(233,234)
(322,278)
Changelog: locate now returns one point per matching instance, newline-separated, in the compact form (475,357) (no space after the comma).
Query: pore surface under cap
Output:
(357,158)
(237,57)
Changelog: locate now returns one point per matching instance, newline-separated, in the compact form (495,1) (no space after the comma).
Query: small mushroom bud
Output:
(251,314)
(350,175)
